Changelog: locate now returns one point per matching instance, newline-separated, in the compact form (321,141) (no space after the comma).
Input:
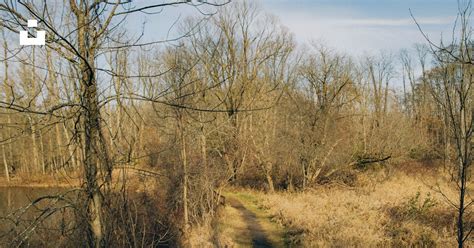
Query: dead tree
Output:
(452,82)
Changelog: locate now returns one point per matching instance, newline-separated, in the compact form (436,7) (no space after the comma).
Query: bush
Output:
(416,207)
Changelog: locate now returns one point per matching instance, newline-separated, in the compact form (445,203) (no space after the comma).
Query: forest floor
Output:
(244,223)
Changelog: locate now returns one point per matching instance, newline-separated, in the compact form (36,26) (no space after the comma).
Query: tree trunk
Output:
(97,170)
(72,154)
(185,173)
(203,149)
(464,161)
(268,175)
(43,154)
(60,145)
(92,163)
(461,208)
(5,163)
(35,147)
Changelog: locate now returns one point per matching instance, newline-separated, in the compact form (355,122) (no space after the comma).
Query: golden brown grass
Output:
(72,179)
(401,211)
(134,179)
(386,214)
(231,228)
(201,236)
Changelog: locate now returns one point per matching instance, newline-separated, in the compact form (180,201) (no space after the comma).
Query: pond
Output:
(32,225)
(16,197)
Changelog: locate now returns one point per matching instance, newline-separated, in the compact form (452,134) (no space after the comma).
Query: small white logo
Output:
(40,39)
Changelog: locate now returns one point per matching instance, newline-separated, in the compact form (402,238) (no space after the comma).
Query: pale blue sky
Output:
(352,26)
(358,26)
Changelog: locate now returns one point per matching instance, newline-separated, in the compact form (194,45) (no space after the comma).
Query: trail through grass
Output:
(245,224)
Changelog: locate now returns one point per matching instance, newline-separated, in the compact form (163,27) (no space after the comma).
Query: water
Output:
(54,223)
(31,225)
(12,198)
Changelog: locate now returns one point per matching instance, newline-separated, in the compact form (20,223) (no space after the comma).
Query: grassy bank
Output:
(403,211)
(73,179)
(42,181)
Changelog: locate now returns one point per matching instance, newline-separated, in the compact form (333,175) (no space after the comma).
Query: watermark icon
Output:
(40,39)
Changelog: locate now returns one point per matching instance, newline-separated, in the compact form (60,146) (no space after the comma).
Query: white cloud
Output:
(395,22)
(359,35)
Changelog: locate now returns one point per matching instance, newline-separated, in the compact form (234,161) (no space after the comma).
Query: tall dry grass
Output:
(403,211)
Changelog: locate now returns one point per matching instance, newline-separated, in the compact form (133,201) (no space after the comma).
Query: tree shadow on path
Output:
(258,235)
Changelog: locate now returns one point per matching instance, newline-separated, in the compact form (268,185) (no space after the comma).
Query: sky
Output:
(364,26)
(355,27)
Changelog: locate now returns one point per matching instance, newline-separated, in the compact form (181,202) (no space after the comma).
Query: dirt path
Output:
(245,225)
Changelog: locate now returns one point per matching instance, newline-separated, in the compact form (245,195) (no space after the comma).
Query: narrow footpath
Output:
(246,225)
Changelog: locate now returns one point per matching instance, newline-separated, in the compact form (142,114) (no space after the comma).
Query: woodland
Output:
(148,137)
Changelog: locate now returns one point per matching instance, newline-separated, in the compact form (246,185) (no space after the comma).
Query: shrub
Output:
(418,207)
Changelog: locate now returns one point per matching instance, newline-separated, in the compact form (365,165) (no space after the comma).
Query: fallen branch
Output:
(365,161)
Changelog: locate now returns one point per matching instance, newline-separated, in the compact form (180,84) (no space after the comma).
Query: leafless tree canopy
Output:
(148,133)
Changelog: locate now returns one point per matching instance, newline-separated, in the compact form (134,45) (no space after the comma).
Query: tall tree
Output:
(452,82)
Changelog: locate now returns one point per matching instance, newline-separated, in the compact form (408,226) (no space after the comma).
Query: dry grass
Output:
(135,180)
(42,181)
(231,229)
(377,215)
(402,211)
(201,236)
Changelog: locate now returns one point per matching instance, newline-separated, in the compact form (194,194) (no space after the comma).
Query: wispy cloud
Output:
(365,25)
(359,35)
(394,21)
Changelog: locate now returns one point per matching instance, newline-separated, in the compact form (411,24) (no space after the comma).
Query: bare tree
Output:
(451,85)
(91,29)
(326,77)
